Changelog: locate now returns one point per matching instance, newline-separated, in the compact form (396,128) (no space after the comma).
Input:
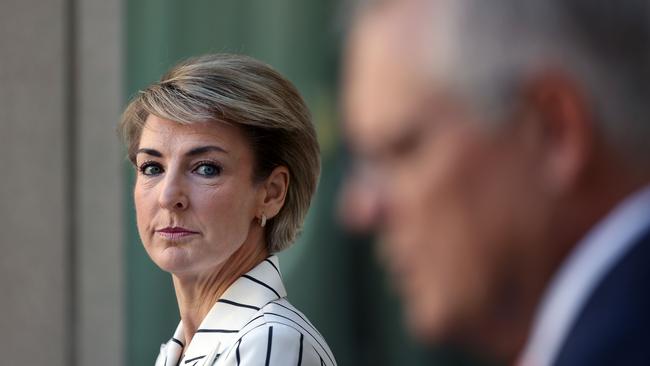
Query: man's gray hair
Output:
(604,45)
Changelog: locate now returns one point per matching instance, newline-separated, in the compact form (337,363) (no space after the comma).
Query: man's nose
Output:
(360,203)
(173,195)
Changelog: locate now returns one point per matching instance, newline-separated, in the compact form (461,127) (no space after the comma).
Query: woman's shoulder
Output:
(281,311)
(280,327)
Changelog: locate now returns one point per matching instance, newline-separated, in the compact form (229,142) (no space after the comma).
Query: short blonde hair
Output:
(249,94)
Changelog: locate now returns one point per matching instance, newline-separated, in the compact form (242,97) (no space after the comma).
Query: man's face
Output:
(449,194)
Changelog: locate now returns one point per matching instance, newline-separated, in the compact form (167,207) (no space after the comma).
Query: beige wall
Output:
(60,183)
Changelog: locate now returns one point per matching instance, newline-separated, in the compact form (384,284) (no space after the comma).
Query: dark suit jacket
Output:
(614,326)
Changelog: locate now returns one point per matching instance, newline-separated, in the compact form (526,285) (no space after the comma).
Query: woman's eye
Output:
(208,170)
(150,169)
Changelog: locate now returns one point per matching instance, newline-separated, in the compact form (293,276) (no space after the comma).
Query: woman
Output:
(227,162)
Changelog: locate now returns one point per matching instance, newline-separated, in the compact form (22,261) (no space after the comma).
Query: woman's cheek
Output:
(227,208)
(145,209)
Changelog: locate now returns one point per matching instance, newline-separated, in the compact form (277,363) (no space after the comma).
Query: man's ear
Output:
(273,191)
(563,127)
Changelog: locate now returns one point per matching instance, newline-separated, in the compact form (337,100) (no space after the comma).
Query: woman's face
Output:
(195,200)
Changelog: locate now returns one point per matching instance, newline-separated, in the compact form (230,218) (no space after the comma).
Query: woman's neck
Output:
(197,294)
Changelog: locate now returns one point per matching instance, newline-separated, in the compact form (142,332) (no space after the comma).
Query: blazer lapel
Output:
(171,351)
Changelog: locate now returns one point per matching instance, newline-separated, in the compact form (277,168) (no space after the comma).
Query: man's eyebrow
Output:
(151,152)
(204,149)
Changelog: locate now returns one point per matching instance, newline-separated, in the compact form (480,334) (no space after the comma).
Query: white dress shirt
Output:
(251,324)
(603,246)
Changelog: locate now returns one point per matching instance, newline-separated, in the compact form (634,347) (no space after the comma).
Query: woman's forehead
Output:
(161,133)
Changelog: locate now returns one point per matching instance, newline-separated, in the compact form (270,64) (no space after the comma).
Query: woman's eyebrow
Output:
(204,149)
(195,151)
(151,152)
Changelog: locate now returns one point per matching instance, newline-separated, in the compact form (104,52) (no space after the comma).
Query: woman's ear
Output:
(274,191)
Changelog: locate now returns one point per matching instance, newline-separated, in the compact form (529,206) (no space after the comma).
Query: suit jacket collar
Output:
(589,263)
(236,307)
(612,329)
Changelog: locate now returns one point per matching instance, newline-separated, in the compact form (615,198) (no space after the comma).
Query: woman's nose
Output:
(173,195)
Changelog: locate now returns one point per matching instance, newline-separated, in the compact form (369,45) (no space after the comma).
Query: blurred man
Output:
(504,161)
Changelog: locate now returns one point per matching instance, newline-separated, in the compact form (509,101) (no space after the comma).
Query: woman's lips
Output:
(175,233)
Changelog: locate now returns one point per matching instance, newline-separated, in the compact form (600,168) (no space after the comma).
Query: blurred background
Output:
(76,287)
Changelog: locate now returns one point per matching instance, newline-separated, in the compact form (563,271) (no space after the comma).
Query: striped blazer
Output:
(251,324)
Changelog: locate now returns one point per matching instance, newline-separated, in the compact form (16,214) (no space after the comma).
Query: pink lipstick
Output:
(175,233)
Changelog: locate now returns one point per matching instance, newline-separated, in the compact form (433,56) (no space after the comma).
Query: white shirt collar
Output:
(228,315)
(585,267)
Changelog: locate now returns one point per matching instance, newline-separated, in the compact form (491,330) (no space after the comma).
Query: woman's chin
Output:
(173,259)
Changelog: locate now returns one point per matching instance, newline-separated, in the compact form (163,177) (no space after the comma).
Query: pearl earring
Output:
(263,220)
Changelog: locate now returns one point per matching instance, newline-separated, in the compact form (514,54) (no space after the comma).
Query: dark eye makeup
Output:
(150,168)
(207,169)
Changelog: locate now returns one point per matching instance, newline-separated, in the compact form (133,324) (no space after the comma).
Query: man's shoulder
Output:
(614,325)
